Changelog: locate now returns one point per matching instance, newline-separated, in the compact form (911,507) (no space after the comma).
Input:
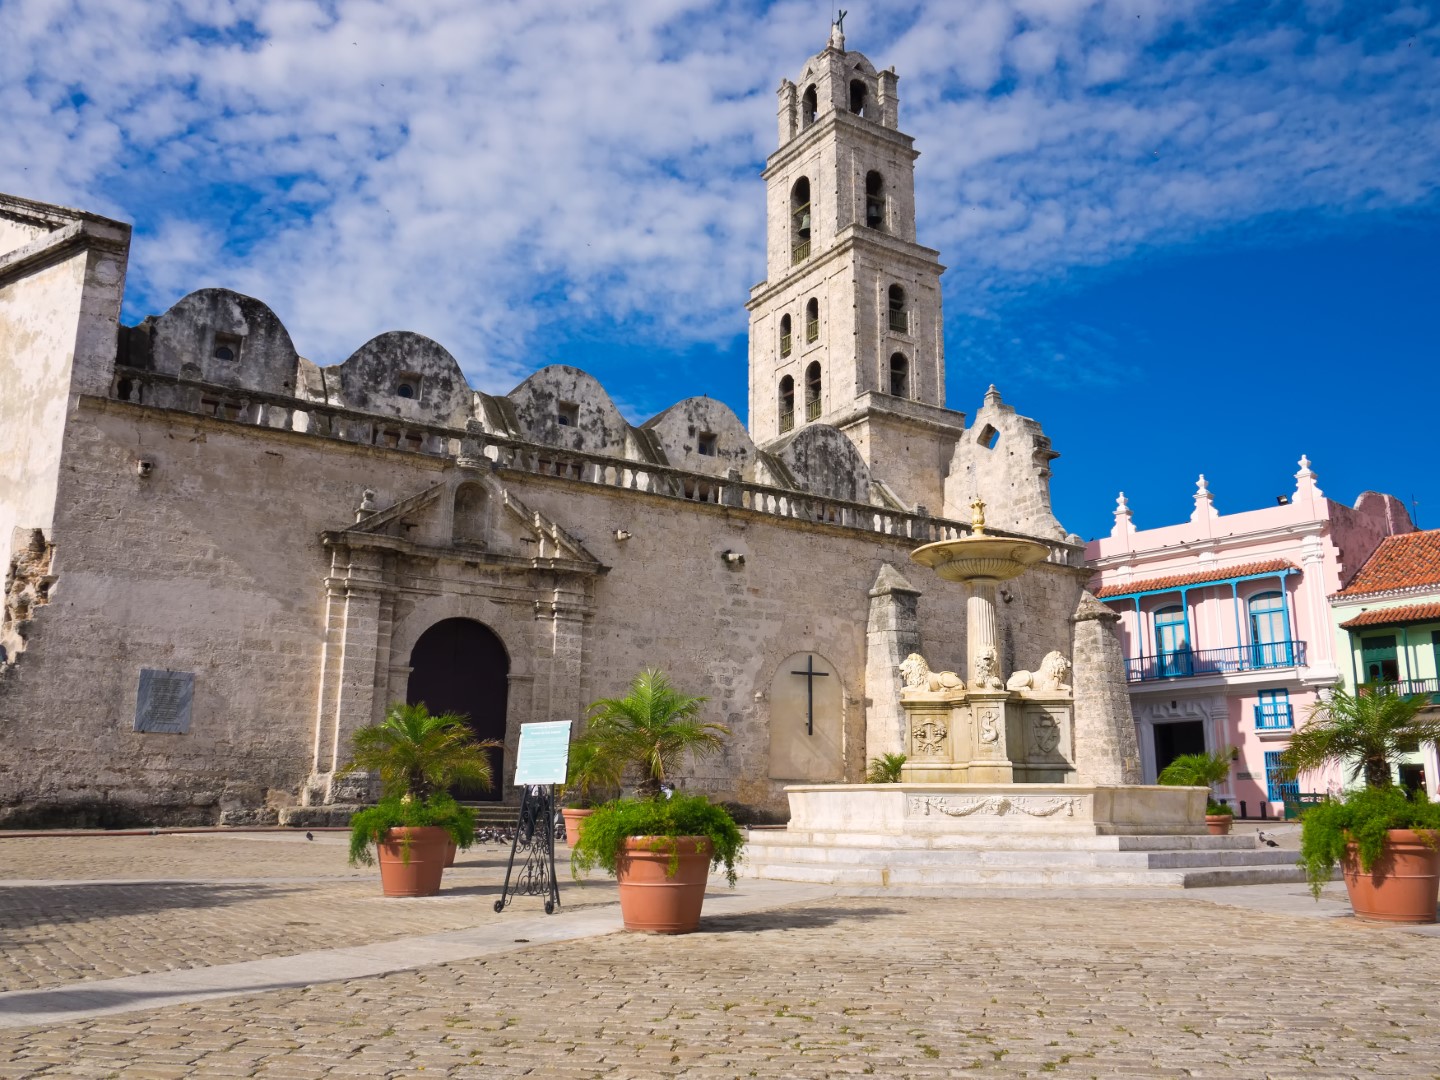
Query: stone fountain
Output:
(992,771)
(986,731)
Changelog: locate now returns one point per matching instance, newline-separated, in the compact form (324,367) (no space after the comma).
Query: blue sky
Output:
(1187,236)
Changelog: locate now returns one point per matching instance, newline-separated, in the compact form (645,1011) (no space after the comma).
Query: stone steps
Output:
(1113,861)
(779,836)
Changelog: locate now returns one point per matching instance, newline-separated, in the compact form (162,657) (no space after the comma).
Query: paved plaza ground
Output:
(265,955)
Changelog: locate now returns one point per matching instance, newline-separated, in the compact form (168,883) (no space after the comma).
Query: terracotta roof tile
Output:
(1406,561)
(1410,613)
(1195,577)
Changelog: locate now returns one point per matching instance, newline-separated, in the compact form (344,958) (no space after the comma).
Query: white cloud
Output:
(501,175)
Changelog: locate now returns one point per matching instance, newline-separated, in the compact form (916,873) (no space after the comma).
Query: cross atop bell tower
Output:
(848,320)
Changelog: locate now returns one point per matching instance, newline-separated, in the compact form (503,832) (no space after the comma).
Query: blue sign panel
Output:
(544,753)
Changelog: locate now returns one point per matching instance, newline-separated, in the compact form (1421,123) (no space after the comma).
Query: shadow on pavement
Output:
(90,1000)
(787,919)
(40,905)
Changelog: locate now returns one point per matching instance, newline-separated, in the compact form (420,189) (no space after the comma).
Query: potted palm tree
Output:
(1384,841)
(416,755)
(659,845)
(590,770)
(1204,770)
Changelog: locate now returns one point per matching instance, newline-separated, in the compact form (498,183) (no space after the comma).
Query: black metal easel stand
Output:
(534,841)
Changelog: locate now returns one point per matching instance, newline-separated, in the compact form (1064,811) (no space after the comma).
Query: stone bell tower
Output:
(847,328)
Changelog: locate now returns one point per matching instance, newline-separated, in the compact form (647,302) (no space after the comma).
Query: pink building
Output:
(1227,627)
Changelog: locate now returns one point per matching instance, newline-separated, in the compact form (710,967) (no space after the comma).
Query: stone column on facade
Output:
(560,663)
(981,635)
(1105,745)
(348,696)
(892,634)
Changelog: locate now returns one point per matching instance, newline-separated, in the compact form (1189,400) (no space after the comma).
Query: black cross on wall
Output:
(810,676)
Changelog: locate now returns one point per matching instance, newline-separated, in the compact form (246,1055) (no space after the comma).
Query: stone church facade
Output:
(223,559)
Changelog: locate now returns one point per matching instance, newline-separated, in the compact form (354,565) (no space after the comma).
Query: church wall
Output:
(671,600)
(57,337)
(211,564)
(679,430)
(37,341)
(208,566)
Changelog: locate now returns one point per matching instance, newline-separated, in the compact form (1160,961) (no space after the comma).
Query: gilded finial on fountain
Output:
(977,516)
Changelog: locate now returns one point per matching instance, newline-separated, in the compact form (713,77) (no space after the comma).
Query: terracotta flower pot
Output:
(574,822)
(654,901)
(415,872)
(1402,886)
(1218,824)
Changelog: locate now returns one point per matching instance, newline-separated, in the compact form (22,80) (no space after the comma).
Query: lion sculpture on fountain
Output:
(985,672)
(1054,675)
(918,676)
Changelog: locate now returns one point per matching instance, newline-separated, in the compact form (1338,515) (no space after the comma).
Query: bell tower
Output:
(847,327)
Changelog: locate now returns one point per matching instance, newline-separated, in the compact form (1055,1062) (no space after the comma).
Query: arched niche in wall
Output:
(472,514)
(807,720)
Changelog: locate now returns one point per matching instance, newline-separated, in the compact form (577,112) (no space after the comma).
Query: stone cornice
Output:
(823,127)
(68,240)
(851,238)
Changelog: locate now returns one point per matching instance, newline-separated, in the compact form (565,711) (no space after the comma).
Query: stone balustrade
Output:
(475,446)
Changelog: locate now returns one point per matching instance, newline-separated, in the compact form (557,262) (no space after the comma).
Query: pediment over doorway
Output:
(466,516)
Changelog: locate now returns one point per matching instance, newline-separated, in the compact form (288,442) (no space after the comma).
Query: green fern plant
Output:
(1363,817)
(885,769)
(662,820)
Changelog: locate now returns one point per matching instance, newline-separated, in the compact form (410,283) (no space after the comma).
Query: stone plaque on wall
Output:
(162,705)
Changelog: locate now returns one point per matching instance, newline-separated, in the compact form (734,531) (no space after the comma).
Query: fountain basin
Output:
(994,558)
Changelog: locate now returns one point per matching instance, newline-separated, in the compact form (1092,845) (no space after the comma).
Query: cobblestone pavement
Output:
(853,986)
(203,856)
(222,900)
(893,986)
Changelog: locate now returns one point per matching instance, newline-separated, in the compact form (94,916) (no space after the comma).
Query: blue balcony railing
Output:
(1186,663)
(1274,716)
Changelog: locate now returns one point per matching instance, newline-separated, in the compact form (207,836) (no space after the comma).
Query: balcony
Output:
(812,410)
(900,321)
(800,252)
(787,420)
(1190,663)
(1406,687)
(812,330)
(1274,716)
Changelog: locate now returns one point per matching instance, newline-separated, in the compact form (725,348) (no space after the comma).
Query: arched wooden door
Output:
(460,665)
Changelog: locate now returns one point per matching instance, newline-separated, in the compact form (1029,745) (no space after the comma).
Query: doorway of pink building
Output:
(1174,739)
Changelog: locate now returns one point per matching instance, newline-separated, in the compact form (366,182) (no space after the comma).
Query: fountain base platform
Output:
(1007,835)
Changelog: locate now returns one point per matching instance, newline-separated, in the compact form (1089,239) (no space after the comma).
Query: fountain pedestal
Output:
(988,737)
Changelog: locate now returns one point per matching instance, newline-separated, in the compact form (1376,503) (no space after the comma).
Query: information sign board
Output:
(544,753)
